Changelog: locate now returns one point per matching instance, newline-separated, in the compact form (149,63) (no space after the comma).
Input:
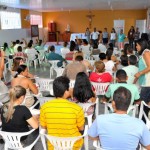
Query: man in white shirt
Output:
(64,50)
(95,36)
(102,47)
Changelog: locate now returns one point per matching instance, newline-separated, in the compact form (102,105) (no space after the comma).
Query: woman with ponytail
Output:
(22,80)
(16,117)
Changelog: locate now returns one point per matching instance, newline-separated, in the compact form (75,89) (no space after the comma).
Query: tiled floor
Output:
(43,72)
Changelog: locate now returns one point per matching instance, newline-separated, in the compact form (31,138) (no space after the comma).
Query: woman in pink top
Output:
(100,75)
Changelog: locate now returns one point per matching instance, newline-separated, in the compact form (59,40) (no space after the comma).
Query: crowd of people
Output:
(126,68)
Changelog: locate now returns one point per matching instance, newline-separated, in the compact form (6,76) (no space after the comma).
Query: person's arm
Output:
(2,63)
(32,87)
(147,147)
(33,122)
(80,120)
(146,56)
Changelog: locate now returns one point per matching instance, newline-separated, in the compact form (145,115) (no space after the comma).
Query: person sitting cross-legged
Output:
(119,131)
(121,78)
(61,117)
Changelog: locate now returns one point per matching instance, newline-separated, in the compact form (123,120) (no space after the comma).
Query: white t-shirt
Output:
(64,51)
(31,52)
(109,66)
(86,49)
(102,48)
(95,35)
(113,36)
(130,70)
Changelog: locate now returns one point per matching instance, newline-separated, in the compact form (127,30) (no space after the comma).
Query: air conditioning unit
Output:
(3,7)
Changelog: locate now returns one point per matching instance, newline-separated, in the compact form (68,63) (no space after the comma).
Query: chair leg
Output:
(86,143)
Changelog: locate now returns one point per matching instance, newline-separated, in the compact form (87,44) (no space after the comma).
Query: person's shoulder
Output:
(22,108)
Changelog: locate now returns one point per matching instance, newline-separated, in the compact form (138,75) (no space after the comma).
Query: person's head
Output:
(85,42)
(5,46)
(111,45)
(22,70)
(17,42)
(126,46)
(13,43)
(72,45)
(19,49)
(121,31)
(94,29)
(16,95)
(87,29)
(51,48)
(102,56)
(65,44)
(79,58)
(61,87)
(137,29)
(82,91)
(109,53)
(121,75)
(132,28)
(95,46)
(132,60)
(113,30)
(29,45)
(31,41)
(16,63)
(141,45)
(121,99)
(124,60)
(100,66)
(40,42)
(105,29)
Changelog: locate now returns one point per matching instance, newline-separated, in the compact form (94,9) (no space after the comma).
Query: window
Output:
(10,20)
(36,20)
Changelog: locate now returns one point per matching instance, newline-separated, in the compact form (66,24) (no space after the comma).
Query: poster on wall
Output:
(34,31)
(118,25)
(141,24)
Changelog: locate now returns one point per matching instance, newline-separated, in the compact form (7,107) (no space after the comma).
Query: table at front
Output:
(79,35)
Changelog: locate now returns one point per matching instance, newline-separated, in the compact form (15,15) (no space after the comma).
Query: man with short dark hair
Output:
(61,117)
(72,69)
(121,78)
(119,131)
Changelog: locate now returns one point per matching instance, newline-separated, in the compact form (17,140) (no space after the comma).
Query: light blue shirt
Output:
(119,132)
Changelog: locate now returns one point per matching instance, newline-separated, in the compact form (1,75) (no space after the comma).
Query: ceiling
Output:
(70,5)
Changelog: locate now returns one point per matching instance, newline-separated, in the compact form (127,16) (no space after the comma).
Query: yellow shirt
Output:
(62,118)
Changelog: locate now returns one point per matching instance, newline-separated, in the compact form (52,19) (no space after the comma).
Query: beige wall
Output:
(103,18)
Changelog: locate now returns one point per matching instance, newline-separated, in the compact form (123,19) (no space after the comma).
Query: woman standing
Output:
(131,36)
(121,37)
(113,37)
(143,75)
(87,34)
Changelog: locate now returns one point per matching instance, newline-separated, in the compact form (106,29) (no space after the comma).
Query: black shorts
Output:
(105,40)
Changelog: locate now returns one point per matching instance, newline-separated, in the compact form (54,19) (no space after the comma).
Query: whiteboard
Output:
(118,25)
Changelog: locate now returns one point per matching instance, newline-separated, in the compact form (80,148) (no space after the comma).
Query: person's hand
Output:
(137,75)
(2,53)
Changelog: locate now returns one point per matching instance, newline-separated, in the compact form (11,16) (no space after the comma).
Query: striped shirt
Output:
(62,118)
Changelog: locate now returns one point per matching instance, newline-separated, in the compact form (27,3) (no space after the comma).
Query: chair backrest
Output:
(59,71)
(12,140)
(54,63)
(131,110)
(87,57)
(62,143)
(96,57)
(31,57)
(72,83)
(44,84)
(96,144)
(100,88)
(143,114)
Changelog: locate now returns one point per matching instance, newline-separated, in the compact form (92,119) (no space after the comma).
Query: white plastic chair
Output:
(72,83)
(96,57)
(62,143)
(96,144)
(12,140)
(100,89)
(59,71)
(53,66)
(131,110)
(45,84)
(143,114)
(31,58)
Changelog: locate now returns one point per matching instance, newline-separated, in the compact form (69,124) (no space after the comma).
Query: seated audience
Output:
(6,49)
(16,117)
(119,131)
(64,50)
(16,46)
(72,69)
(82,91)
(54,56)
(100,75)
(64,118)
(40,44)
(22,80)
(121,78)
(102,47)
(95,50)
(131,69)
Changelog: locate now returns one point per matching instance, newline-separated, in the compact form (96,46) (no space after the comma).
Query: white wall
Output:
(14,34)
